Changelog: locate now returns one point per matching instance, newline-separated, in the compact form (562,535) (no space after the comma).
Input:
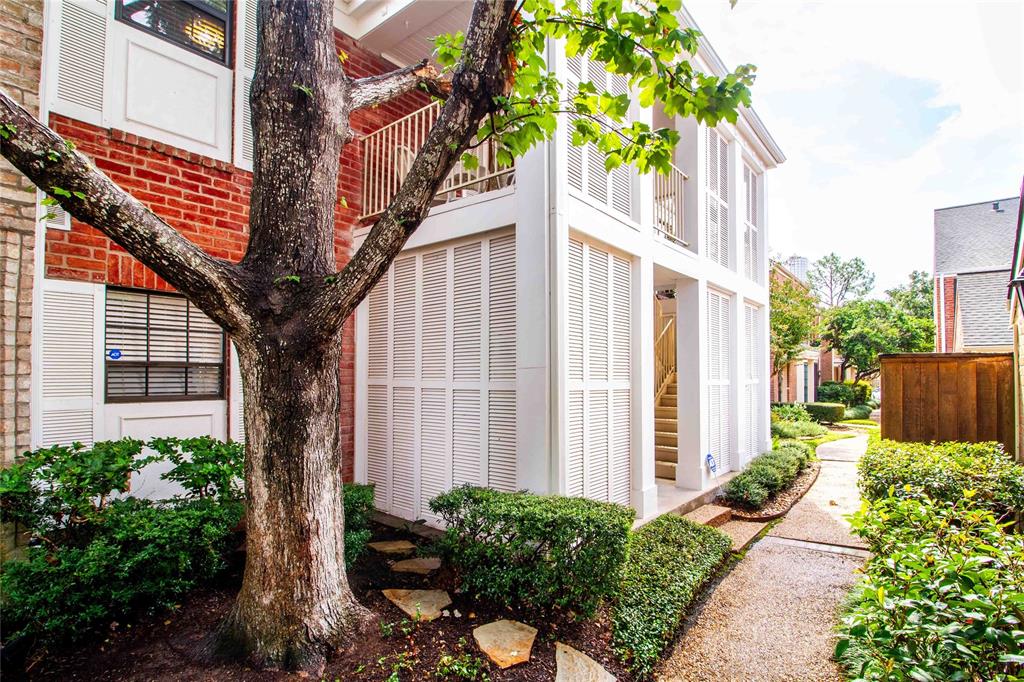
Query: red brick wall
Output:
(948,283)
(208,201)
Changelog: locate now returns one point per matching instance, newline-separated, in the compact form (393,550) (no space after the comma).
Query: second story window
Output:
(160,347)
(201,26)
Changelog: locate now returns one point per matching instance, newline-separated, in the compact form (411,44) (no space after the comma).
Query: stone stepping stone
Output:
(421,605)
(742,533)
(576,666)
(506,642)
(419,565)
(393,547)
(713,515)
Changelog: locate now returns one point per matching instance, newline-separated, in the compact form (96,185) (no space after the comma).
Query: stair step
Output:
(666,438)
(668,401)
(671,389)
(665,412)
(711,515)
(666,425)
(666,453)
(742,532)
(665,470)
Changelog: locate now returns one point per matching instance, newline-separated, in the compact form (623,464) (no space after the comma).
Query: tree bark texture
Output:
(285,303)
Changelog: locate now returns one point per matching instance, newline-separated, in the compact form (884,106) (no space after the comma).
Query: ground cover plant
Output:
(941,596)
(789,429)
(542,551)
(789,412)
(669,560)
(766,476)
(943,471)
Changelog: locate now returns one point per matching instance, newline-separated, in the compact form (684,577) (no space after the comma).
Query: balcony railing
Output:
(668,204)
(388,154)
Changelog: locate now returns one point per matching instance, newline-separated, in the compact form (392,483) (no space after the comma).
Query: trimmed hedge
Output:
(767,475)
(858,412)
(534,550)
(943,471)
(848,392)
(668,562)
(808,429)
(828,413)
(941,595)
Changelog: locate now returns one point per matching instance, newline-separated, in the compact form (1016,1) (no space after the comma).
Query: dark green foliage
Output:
(766,475)
(803,449)
(941,596)
(848,393)
(532,550)
(807,429)
(943,471)
(60,490)
(857,412)
(827,413)
(141,556)
(789,412)
(358,507)
(204,466)
(668,562)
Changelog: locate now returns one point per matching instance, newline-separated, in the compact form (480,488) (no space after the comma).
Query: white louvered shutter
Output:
(599,324)
(237,399)
(70,346)
(716,234)
(378,422)
(403,451)
(53,217)
(620,180)
(501,362)
(752,225)
(719,432)
(752,331)
(245,69)
(81,59)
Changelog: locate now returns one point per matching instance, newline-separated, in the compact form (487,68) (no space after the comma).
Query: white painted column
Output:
(691,363)
(644,491)
(533,407)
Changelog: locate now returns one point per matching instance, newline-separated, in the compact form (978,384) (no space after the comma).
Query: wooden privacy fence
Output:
(948,396)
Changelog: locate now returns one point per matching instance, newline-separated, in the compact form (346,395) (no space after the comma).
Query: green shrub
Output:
(358,507)
(798,429)
(803,449)
(668,562)
(789,412)
(204,466)
(835,392)
(533,550)
(857,412)
(943,471)
(827,413)
(766,475)
(941,596)
(142,556)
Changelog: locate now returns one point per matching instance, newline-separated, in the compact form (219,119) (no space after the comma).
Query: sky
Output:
(885,110)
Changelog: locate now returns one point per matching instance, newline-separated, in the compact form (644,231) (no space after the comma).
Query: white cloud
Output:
(843,188)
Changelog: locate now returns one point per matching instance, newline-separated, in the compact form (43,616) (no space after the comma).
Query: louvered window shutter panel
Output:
(68,355)
(435,451)
(597,446)
(501,309)
(53,217)
(434,316)
(237,401)
(718,379)
(245,69)
(468,313)
(378,444)
(620,179)
(717,197)
(751,235)
(403,451)
(379,312)
(81,60)
(403,337)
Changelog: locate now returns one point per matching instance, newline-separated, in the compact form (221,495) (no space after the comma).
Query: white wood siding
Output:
(599,324)
(441,393)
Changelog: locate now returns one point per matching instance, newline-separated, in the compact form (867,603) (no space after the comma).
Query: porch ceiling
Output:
(406,36)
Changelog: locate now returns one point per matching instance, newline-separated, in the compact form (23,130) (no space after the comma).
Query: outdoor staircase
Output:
(666,430)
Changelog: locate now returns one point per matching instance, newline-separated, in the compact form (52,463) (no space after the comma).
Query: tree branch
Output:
(374,90)
(90,196)
(478,79)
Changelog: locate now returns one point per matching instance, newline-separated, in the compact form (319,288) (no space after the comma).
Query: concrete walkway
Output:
(771,618)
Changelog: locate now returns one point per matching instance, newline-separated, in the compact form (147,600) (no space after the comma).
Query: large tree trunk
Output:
(295,603)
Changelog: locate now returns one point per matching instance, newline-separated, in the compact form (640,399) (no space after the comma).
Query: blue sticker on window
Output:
(114,354)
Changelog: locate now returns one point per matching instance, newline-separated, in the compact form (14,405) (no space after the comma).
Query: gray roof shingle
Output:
(975,237)
(984,317)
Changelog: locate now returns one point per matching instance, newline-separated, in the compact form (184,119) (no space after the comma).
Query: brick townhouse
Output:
(512,344)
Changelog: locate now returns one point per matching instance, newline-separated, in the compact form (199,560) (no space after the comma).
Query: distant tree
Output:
(916,298)
(837,281)
(860,331)
(791,320)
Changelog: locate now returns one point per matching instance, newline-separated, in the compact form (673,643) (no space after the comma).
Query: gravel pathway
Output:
(771,618)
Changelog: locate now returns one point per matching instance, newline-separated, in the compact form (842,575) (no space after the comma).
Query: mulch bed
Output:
(167,645)
(779,505)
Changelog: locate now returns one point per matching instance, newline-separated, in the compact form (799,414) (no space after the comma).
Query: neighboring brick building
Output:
(174,132)
(973,247)
(21,35)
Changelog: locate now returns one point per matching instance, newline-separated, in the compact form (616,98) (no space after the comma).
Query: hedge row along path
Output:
(772,617)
